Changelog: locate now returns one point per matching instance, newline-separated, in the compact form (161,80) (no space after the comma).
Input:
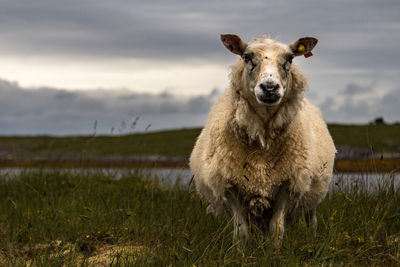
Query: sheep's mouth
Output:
(269,99)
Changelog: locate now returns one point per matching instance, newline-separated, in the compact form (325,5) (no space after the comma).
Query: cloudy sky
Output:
(65,66)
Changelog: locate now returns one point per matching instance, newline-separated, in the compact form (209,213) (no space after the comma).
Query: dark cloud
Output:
(355,89)
(55,111)
(390,108)
(361,104)
(199,104)
(60,112)
(358,44)
(359,31)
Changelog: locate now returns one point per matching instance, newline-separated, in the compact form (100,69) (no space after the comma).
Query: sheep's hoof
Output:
(276,242)
(240,237)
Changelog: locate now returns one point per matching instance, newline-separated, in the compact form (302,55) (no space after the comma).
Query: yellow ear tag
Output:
(301,48)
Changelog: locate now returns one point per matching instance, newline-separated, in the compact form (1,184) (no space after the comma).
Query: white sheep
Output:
(265,151)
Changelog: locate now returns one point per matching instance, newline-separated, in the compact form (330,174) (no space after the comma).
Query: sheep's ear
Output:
(303,46)
(233,43)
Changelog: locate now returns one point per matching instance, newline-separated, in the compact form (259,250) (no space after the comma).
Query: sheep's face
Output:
(267,65)
(267,68)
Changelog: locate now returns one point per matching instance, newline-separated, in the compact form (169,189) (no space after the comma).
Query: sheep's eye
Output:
(288,61)
(248,59)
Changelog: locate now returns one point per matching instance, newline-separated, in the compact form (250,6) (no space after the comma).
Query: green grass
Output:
(381,138)
(168,143)
(89,212)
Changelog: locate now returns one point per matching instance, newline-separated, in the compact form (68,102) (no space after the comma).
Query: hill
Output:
(174,143)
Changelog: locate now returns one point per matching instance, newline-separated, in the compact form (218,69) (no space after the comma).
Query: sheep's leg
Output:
(277,224)
(240,231)
(313,221)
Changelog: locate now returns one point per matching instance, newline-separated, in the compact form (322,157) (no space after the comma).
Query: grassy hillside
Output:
(168,143)
(381,138)
(58,218)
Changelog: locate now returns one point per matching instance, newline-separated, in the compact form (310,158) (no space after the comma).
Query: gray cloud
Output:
(355,89)
(60,112)
(361,104)
(358,45)
(199,104)
(56,111)
(390,105)
(355,32)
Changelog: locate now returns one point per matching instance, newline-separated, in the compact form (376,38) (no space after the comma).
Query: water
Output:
(183,176)
(167,176)
(342,181)
(370,181)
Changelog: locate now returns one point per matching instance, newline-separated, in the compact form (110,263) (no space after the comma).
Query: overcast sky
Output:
(64,65)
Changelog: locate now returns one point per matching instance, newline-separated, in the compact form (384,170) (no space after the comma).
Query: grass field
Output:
(379,138)
(53,218)
(168,143)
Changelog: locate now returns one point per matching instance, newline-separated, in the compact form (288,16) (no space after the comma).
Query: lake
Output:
(182,176)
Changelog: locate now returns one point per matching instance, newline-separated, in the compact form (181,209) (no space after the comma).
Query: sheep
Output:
(265,152)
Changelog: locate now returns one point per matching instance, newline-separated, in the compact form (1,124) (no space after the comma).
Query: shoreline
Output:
(391,165)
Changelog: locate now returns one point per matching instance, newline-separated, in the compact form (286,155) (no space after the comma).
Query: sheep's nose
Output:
(269,86)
